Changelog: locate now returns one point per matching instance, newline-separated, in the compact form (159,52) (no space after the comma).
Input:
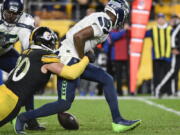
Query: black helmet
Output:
(12,10)
(44,37)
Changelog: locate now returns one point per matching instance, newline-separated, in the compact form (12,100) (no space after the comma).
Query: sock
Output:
(111,97)
(30,105)
(47,110)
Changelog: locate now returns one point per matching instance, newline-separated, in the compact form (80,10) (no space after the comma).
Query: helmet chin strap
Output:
(47,48)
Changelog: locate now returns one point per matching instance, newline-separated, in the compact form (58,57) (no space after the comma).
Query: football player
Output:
(32,72)
(15,25)
(81,38)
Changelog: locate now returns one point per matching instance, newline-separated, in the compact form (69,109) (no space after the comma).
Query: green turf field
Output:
(94,118)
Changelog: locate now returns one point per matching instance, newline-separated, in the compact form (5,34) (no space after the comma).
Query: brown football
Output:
(68,121)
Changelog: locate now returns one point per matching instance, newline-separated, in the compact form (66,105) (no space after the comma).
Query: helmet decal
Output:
(47,35)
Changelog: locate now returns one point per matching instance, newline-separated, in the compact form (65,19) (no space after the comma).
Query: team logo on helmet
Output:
(47,35)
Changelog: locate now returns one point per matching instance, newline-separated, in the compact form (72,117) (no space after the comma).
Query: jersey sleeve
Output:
(26,25)
(101,26)
(50,58)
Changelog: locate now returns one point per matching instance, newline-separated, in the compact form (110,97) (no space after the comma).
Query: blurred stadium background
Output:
(60,15)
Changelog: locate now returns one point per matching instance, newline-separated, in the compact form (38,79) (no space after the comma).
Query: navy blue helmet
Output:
(120,8)
(12,10)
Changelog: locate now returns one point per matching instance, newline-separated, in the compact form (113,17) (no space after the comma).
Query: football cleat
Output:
(125,125)
(18,126)
(33,125)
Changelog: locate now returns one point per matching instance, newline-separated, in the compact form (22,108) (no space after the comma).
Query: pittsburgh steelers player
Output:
(15,25)
(32,72)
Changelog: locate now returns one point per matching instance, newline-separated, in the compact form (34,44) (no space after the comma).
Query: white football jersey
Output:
(101,24)
(13,32)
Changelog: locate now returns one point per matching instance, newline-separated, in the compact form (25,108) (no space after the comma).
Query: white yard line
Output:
(102,97)
(159,106)
(142,99)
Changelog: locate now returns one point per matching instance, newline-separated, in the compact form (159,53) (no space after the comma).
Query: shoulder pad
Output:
(105,24)
(26,21)
(50,58)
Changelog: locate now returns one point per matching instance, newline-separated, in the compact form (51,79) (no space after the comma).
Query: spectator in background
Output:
(116,48)
(37,21)
(172,74)
(90,11)
(161,54)
(100,5)
(174,20)
(83,6)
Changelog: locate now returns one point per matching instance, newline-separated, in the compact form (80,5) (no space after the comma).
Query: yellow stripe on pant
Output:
(8,101)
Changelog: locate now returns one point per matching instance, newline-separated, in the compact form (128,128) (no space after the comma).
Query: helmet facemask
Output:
(11,17)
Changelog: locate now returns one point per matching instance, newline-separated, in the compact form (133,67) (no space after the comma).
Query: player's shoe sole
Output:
(123,128)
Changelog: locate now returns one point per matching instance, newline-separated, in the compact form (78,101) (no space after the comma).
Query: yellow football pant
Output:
(8,101)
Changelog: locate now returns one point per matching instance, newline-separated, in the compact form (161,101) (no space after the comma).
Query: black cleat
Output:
(34,125)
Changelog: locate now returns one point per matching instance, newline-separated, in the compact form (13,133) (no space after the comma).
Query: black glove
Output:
(90,54)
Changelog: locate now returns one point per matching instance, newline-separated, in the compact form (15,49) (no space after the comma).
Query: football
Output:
(68,121)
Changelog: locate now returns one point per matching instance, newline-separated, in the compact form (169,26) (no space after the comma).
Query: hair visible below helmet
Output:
(12,6)
(44,37)
(120,8)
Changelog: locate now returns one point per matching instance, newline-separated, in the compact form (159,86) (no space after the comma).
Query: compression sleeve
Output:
(74,71)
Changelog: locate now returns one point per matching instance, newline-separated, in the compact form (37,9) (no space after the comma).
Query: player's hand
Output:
(43,69)
(175,51)
(90,54)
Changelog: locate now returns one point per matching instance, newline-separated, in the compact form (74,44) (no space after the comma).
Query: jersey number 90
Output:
(21,69)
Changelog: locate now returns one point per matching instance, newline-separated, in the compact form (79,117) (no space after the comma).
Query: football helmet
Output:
(12,10)
(44,37)
(120,8)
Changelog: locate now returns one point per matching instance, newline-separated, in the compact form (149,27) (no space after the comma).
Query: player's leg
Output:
(33,123)
(12,115)
(9,105)
(94,73)
(66,94)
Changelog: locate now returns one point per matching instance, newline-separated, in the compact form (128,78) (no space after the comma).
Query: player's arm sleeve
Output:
(25,32)
(74,71)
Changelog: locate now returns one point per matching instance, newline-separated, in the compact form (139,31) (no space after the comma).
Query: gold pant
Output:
(8,101)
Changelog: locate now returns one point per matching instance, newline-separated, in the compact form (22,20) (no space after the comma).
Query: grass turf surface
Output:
(94,118)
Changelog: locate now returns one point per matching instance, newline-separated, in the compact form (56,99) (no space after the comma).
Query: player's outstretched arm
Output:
(68,72)
(80,39)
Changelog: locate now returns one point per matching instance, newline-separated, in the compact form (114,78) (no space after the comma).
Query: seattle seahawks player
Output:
(81,38)
(15,25)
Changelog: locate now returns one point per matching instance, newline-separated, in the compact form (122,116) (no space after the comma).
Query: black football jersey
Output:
(27,78)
